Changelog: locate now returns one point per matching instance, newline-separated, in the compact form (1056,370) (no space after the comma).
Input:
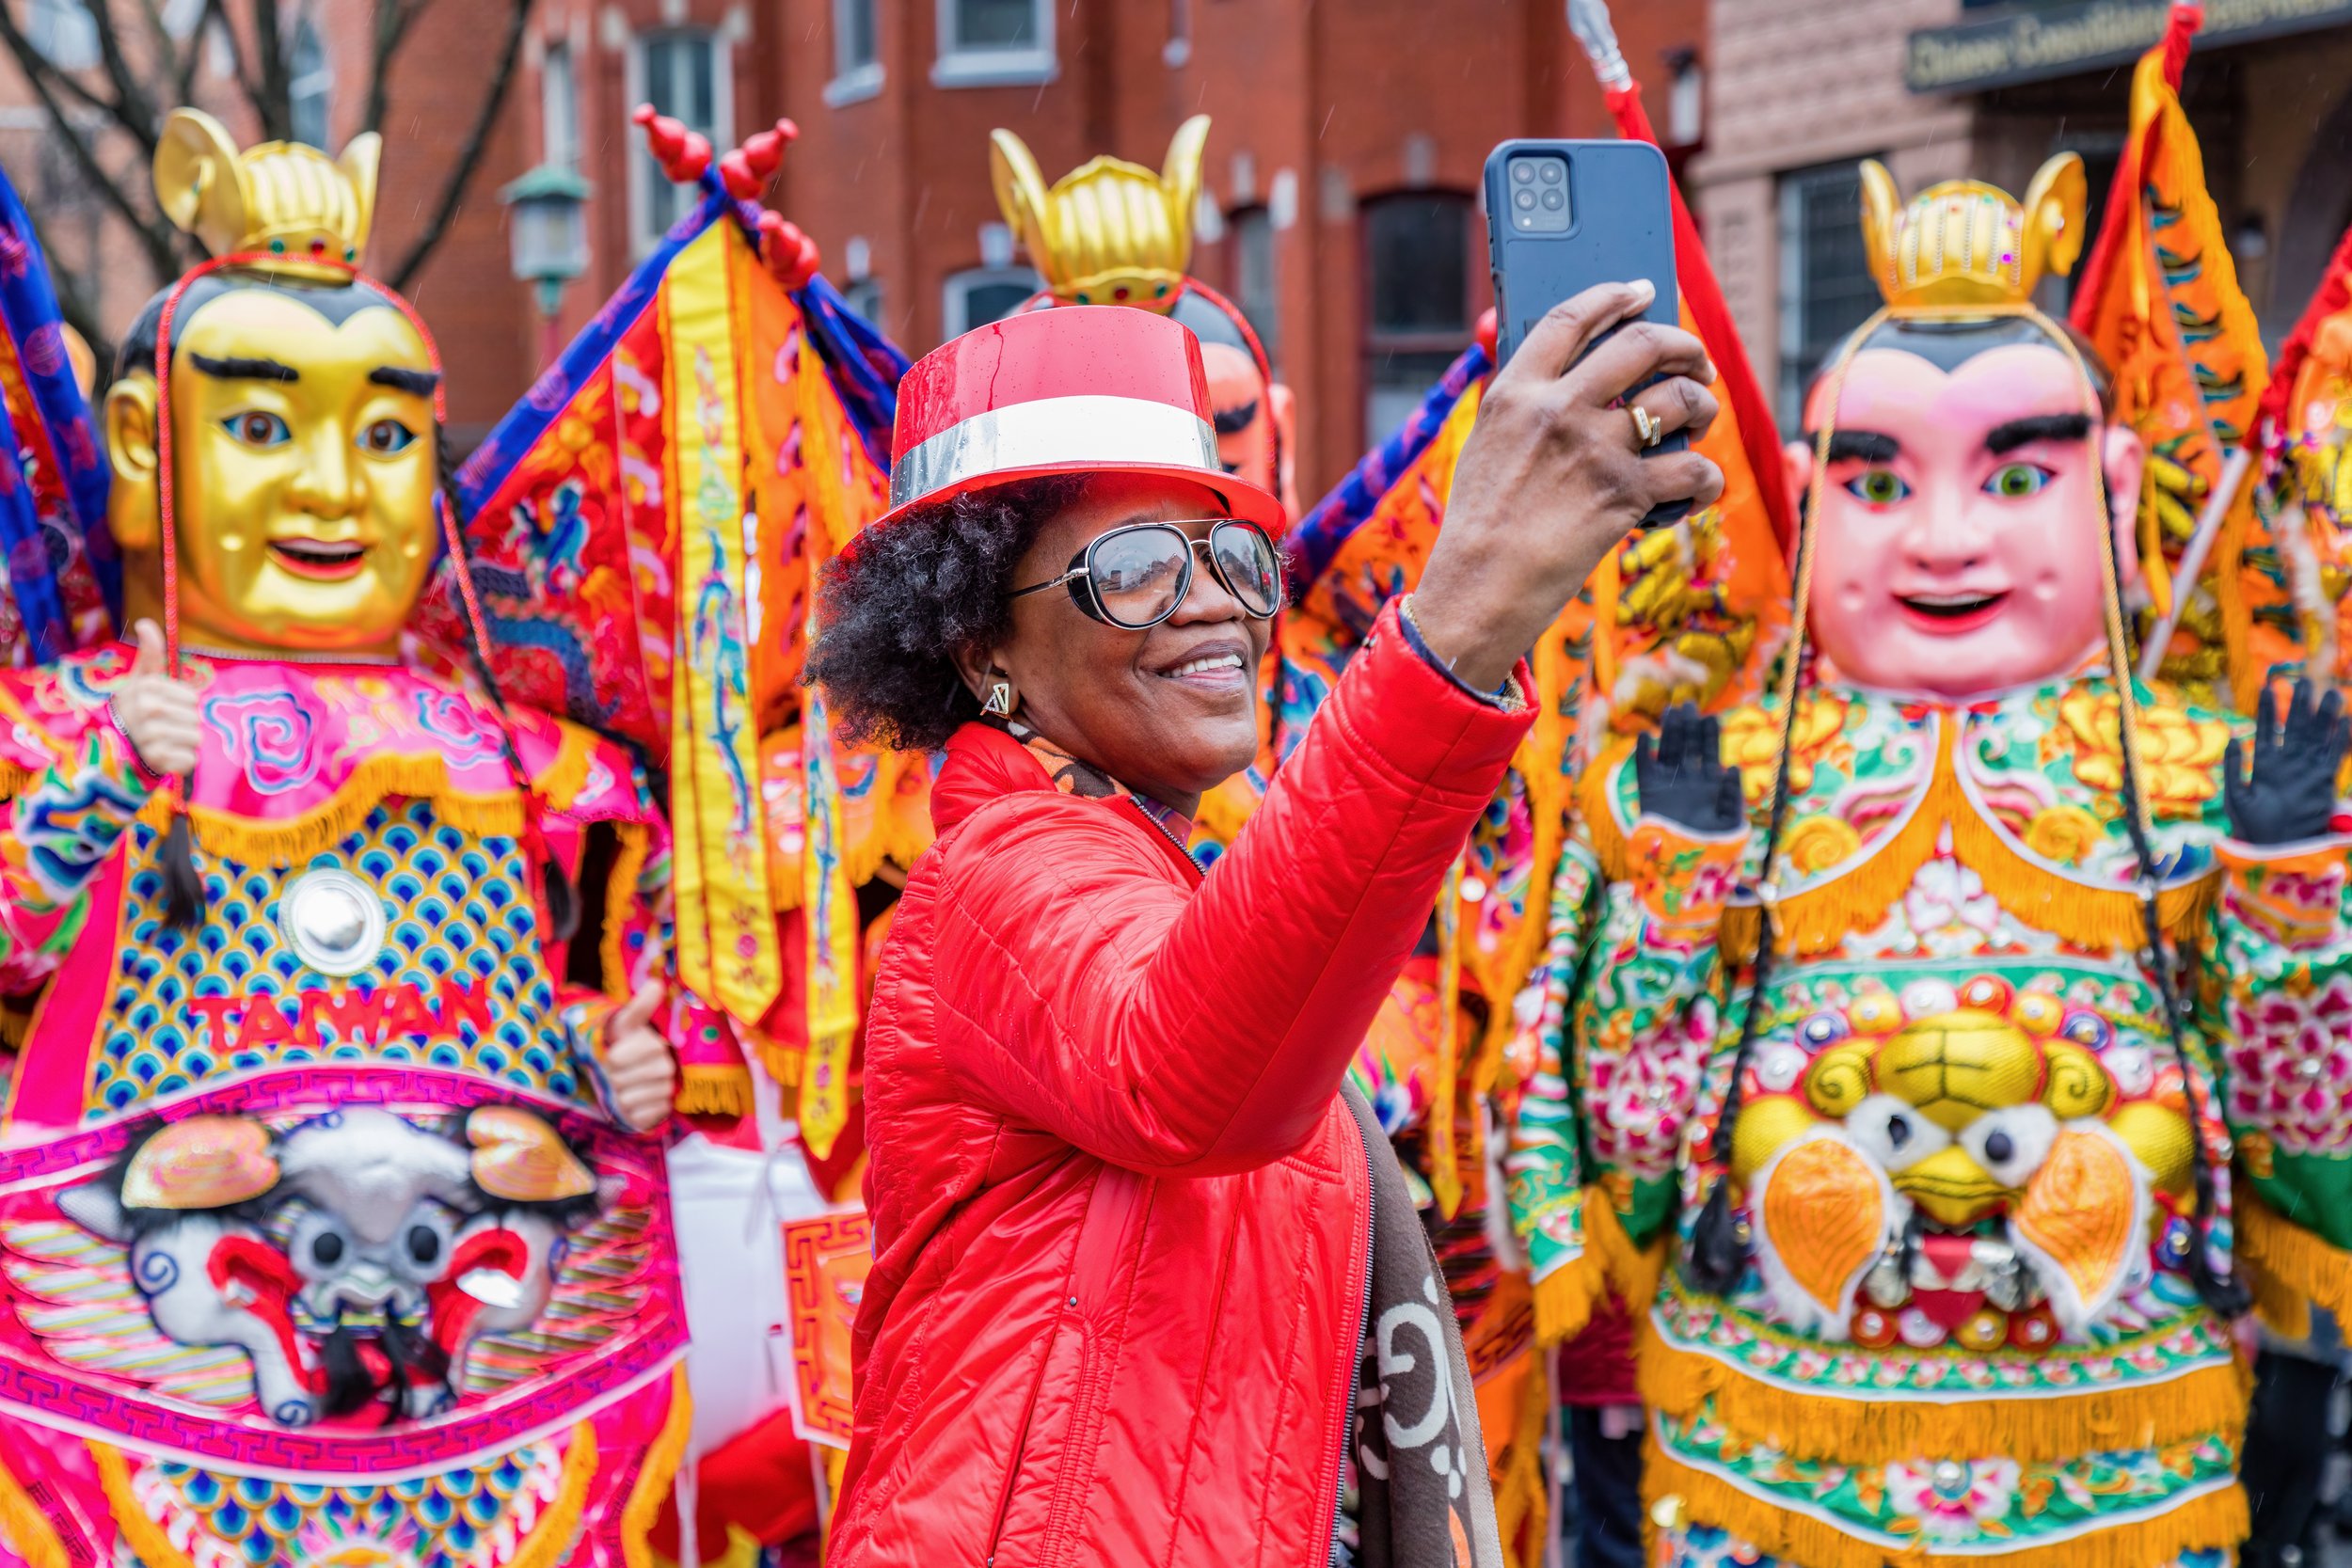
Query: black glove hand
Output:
(1682,777)
(2290,792)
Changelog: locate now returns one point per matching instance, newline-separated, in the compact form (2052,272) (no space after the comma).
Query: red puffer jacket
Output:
(1122,1218)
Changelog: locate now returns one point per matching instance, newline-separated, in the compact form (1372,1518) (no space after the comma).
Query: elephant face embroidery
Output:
(354,1257)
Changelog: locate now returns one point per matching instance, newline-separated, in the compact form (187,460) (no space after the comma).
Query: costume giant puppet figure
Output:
(1927,1195)
(328,1232)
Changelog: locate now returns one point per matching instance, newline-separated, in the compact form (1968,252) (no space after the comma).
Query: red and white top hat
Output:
(1081,389)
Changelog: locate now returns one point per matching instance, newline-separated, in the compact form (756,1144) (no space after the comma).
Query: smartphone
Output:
(1564,215)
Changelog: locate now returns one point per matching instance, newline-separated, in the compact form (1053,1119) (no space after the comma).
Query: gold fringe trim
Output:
(781,1060)
(1869,1428)
(560,782)
(1610,1265)
(551,1542)
(24,1529)
(250,841)
(548,1545)
(2283,1254)
(620,901)
(2215,1520)
(1565,1298)
(652,1485)
(15,779)
(714,1089)
(1522,1491)
(1819,919)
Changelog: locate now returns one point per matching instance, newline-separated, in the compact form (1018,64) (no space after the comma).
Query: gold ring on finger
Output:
(1648,429)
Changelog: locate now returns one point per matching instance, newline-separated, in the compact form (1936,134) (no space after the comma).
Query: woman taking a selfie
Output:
(1131,1238)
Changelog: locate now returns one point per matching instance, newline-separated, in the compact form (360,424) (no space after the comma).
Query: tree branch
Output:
(216,16)
(154,233)
(136,112)
(461,172)
(393,18)
(274,101)
(170,69)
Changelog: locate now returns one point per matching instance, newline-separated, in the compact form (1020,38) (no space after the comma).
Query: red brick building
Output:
(481,316)
(1340,174)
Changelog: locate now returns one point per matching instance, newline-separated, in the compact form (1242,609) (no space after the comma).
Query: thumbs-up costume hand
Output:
(638,1067)
(157,712)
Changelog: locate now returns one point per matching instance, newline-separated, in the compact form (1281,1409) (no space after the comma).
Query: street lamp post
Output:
(548,229)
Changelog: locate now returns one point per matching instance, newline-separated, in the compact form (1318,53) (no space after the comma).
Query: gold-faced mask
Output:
(304,465)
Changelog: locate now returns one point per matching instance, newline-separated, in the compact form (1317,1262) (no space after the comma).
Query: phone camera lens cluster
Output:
(1539,193)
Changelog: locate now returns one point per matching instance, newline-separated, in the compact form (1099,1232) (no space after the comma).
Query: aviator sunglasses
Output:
(1134,576)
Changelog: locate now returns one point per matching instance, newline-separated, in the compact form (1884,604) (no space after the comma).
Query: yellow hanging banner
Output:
(828,902)
(727,949)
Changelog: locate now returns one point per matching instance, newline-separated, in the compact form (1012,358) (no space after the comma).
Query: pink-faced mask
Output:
(1961,529)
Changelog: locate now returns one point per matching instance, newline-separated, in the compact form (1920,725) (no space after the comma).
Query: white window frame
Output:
(865,295)
(320,81)
(63,32)
(559,106)
(959,66)
(642,236)
(956,291)
(853,81)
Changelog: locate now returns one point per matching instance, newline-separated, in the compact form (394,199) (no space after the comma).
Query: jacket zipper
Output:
(1162,829)
(1355,1342)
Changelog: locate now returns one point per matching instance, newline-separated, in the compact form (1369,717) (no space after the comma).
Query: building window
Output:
(995,42)
(310,88)
(864,296)
(1826,289)
(558,108)
(982,294)
(683,74)
(857,71)
(1686,99)
(64,32)
(1417,265)
(1252,232)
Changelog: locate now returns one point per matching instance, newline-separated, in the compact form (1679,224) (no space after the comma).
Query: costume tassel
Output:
(24,1529)
(1867,1428)
(714,1089)
(2208,1521)
(2286,1253)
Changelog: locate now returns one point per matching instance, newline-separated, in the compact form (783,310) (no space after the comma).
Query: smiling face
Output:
(1169,711)
(1960,531)
(303,451)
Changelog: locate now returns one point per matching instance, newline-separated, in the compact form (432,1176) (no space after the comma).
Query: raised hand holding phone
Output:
(1563,216)
(1554,474)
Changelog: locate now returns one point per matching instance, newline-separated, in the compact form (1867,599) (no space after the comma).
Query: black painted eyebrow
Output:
(238,368)
(402,379)
(1232,421)
(2037,427)
(1859,446)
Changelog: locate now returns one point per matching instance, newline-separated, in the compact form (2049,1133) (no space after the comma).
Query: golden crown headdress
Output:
(308,212)
(1964,242)
(1108,233)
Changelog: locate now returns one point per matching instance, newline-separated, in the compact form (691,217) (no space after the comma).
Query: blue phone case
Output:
(1620,226)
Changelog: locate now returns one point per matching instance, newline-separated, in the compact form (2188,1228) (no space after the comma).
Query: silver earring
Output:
(999,703)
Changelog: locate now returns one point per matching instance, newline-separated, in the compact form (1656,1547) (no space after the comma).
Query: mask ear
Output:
(130,450)
(1796,472)
(1284,407)
(2122,457)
